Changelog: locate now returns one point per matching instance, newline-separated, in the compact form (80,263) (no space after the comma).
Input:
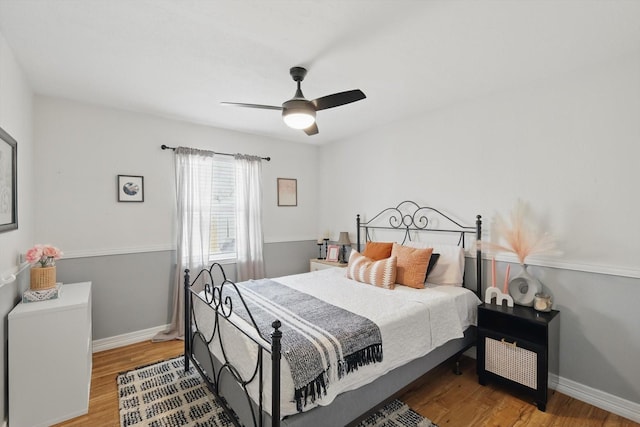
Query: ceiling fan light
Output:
(299,119)
(298,113)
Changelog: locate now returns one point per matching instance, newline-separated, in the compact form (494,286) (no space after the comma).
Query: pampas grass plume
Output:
(520,237)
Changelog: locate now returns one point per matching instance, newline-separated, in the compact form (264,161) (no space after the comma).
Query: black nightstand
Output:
(518,346)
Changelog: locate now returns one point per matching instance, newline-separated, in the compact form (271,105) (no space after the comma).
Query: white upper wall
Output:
(567,146)
(16,117)
(82,148)
(16,99)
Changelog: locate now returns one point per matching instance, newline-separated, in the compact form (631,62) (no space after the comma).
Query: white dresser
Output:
(50,358)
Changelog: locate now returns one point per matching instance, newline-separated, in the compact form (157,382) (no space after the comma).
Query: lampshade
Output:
(344,238)
(298,113)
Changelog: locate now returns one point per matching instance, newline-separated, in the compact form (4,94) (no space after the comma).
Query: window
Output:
(223,209)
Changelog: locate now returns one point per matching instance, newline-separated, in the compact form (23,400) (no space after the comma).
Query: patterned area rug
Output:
(163,395)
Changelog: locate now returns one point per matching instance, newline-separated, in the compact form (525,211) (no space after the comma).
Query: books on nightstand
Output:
(42,295)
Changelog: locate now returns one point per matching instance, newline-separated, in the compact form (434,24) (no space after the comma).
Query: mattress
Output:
(412,323)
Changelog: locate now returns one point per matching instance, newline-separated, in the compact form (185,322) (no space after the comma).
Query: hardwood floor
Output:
(458,400)
(103,401)
(447,399)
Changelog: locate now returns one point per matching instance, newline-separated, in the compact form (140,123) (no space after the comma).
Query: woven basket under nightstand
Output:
(514,363)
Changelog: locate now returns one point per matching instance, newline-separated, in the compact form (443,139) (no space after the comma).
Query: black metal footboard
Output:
(218,369)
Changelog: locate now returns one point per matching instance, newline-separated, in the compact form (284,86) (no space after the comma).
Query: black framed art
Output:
(8,182)
(130,188)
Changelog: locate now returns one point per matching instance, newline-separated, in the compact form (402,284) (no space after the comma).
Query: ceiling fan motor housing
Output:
(298,73)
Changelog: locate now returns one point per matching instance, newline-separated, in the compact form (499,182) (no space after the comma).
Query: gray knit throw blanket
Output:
(316,336)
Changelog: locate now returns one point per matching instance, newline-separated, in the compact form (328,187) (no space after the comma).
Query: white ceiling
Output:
(181,58)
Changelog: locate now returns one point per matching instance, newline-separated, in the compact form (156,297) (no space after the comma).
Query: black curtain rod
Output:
(166,147)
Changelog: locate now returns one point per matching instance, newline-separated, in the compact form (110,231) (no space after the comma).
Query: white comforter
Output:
(412,323)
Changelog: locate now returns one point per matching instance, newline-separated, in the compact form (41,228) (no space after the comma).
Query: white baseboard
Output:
(126,339)
(608,402)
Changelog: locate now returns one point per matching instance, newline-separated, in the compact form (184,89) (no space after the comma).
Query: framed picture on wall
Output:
(287,192)
(130,188)
(333,252)
(8,182)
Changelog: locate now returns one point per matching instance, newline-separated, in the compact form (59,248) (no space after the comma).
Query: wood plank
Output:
(445,398)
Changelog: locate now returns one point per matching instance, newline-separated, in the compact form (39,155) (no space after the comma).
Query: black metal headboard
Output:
(410,217)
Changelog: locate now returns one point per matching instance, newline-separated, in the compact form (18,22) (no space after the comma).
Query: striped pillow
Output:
(380,273)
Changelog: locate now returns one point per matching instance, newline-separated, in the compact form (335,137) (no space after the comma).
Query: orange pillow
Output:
(377,250)
(380,273)
(412,265)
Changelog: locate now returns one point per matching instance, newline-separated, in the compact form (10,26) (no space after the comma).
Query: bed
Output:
(258,346)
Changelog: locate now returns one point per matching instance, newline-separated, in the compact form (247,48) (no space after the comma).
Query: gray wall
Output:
(599,334)
(595,326)
(132,292)
(129,292)
(282,259)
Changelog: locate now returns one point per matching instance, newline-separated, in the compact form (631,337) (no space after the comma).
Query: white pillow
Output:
(449,270)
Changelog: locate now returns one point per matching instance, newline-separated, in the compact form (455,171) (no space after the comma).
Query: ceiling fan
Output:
(300,113)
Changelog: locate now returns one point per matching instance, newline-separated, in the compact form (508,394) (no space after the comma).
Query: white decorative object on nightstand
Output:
(321,264)
(493,292)
(50,358)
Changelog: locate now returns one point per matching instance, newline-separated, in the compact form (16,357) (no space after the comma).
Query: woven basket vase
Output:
(43,278)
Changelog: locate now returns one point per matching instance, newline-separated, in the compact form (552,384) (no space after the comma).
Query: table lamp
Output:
(343,240)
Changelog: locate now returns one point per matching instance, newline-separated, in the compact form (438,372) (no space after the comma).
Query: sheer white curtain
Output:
(194,180)
(250,262)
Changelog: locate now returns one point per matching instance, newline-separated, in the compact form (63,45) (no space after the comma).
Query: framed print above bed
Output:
(8,182)
(130,188)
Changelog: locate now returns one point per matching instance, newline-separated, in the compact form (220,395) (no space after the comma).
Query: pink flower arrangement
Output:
(45,255)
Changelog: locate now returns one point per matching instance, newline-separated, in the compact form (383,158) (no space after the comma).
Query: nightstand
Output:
(518,346)
(320,264)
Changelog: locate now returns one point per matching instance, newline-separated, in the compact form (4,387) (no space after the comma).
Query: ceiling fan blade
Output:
(338,99)
(311,130)
(263,107)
